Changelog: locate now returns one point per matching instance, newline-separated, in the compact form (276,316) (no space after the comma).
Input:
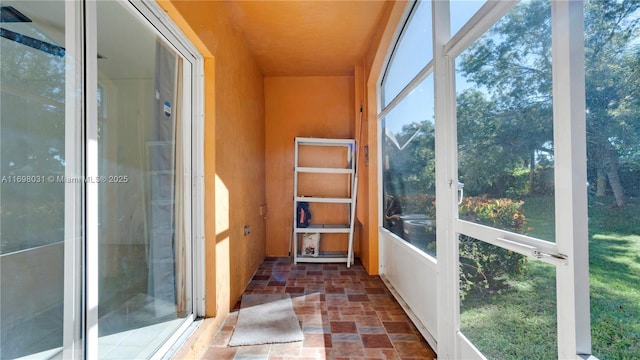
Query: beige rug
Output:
(266,319)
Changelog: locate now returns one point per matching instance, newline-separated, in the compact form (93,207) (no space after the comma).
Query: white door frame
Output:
(72,346)
(572,238)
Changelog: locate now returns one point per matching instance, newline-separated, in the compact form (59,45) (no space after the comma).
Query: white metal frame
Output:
(572,239)
(569,254)
(91,188)
(446,176)
(72,346)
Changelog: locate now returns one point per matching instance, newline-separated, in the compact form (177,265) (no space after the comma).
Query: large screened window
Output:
(508,84)
(408,140)
(541,135)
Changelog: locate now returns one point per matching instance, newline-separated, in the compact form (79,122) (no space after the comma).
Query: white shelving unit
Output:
(344,170)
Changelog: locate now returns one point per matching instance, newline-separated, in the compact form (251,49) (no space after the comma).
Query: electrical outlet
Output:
(247,230)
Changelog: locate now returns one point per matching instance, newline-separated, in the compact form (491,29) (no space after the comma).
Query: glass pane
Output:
(413,52)
(462,11)
(142,271)
(32,161)
(505,124)
(507,303)
(612,78)
(408,151)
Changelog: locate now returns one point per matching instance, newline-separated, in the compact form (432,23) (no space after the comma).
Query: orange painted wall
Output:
(234,150)
(305,107)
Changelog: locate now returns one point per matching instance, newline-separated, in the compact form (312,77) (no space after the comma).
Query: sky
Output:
(413,53)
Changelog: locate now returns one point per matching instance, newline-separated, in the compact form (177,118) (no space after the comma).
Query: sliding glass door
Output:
(143,279)
(96,186)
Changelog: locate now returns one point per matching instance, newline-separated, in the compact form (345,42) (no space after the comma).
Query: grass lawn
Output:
(520,322)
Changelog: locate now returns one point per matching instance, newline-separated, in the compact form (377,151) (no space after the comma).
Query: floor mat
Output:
(266,319)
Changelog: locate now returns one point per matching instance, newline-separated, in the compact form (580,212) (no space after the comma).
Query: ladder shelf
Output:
(334,158)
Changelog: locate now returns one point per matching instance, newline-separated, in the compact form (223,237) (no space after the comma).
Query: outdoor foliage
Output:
(505,120)
(484,267)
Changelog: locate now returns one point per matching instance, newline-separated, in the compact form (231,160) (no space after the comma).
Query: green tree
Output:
(512,62)
(492,144)
(611,27)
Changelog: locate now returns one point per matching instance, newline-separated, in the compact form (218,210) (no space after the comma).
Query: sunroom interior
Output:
(184,113)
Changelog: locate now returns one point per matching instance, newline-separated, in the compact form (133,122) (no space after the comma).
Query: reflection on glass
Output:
(142,271)
(613,168)
(507,305)
(413,52)
(408,151)
(505,124)
(32,157)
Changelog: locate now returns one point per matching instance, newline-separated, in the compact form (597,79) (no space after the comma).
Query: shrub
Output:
(484,267)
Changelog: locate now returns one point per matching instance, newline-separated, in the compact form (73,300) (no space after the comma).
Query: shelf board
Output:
(323,228)
(323,170)
(325,257)
(318,199)
(324,142)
